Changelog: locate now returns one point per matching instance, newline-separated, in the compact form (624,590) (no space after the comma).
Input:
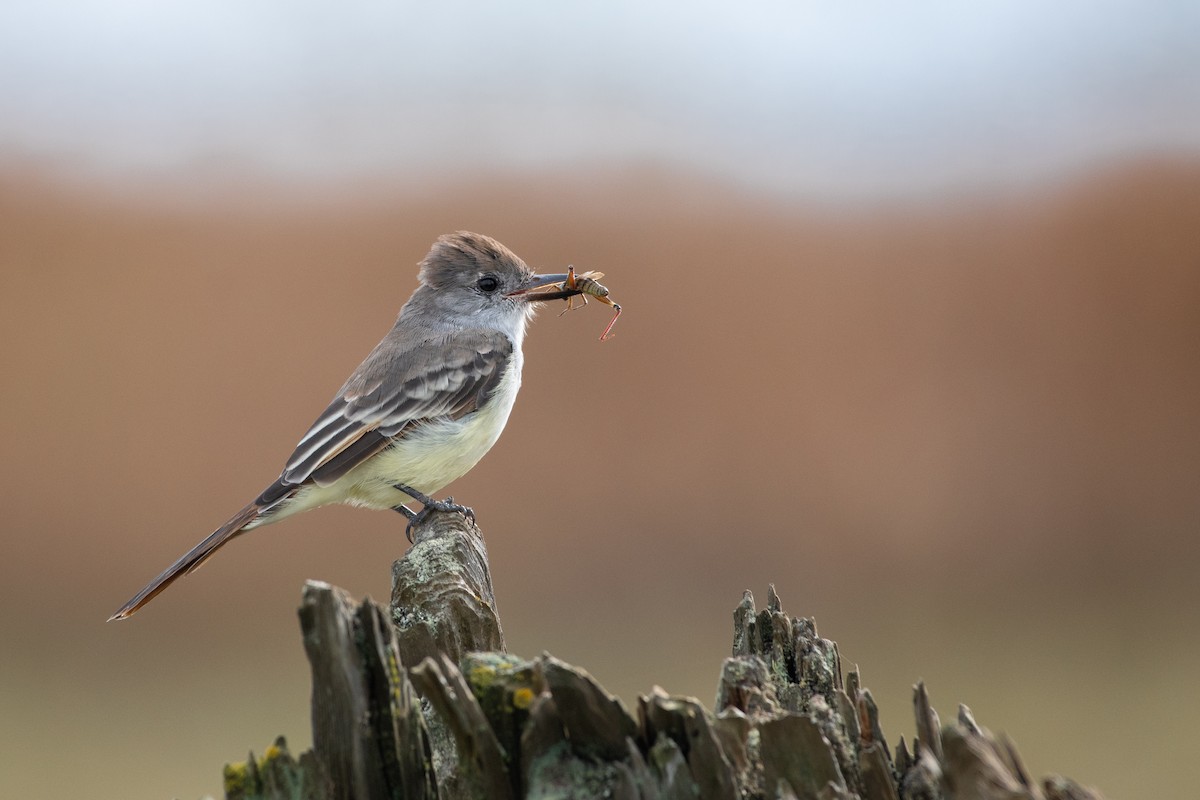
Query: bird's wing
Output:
(394,388)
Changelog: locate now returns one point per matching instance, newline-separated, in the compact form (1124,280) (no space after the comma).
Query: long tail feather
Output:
(190,561)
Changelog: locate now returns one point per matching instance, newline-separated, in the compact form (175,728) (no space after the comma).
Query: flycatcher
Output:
(420,410)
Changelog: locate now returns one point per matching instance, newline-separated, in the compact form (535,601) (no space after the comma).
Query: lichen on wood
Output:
(276,776)
(421,701)
(369,735)
(442,598)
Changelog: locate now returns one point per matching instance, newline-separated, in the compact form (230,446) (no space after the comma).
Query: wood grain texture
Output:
(492,726)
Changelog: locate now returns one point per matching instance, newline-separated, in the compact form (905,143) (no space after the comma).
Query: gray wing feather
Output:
(393,389)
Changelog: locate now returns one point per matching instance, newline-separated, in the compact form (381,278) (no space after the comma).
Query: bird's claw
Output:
(428,506)
(449,505)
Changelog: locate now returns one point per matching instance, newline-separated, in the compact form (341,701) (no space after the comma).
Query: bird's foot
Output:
(428,506)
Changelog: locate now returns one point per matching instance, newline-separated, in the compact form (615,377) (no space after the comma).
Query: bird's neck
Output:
(424,312)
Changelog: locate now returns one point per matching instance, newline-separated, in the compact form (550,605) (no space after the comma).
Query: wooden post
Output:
(490,726)
(442,599)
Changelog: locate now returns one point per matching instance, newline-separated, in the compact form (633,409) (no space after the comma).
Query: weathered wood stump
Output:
(787,723)
(442,599)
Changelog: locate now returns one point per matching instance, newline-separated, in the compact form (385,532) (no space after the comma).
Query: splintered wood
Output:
(420,701)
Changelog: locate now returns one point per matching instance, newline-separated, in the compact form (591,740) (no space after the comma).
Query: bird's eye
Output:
(488,283)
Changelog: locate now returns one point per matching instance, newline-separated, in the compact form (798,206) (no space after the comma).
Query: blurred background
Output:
(910,330)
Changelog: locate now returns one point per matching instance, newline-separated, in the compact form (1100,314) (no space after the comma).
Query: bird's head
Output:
(469,274)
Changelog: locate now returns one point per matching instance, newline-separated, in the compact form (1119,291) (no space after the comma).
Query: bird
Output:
(421,409)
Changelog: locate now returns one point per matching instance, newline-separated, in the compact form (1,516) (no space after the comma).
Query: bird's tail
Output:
(191,560)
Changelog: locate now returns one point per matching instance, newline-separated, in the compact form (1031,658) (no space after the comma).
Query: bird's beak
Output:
(529,290)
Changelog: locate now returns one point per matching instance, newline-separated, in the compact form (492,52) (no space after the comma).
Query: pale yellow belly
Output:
(427,458)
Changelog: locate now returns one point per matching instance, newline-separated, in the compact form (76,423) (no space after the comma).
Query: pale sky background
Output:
(822,100)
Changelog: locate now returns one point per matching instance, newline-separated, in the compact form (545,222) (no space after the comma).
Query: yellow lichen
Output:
(482,676)
(235,778)
(522,697)
(393,665)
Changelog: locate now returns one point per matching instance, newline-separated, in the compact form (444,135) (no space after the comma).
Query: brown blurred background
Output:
(955,418)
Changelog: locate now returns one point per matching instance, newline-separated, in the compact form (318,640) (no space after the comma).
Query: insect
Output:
(587,285)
